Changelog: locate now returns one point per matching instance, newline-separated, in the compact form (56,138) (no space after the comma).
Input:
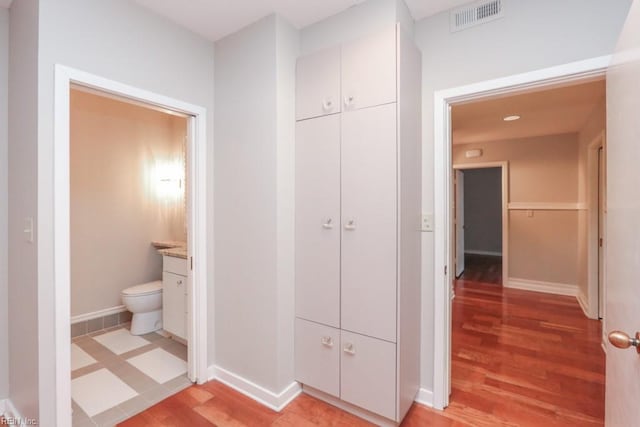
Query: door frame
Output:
(65,78)
(579,71)
(593,234)
(458,196)
(504,188)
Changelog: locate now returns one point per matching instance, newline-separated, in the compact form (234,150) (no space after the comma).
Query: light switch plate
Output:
(427,222)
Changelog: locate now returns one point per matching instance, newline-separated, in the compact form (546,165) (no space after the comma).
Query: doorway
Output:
(443,190)
(481,221)
(128,229)
(489,323)
(197,281)
(592,301)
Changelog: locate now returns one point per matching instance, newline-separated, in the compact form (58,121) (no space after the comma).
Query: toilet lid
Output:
(144,289)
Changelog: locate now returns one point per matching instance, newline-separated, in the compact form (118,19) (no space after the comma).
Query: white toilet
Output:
(145,302)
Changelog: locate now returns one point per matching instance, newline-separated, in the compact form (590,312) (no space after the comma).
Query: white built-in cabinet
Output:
(358,223)
(174,296)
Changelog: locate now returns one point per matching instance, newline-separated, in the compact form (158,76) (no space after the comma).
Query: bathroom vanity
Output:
(175,304)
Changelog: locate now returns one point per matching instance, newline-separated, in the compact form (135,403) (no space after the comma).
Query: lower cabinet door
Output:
(368,373)
(317,356)
(173,304)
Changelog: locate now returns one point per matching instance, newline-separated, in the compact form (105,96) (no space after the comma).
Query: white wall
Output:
(116,211)
(117,40)
(254,202)
(287,49)
(4,134)
(358,21)
(24,331)
(483,210)
(532,35)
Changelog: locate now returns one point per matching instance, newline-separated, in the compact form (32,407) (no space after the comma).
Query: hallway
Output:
(524,358)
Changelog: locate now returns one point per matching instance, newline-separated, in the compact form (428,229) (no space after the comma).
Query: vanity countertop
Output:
(163,244)
(178,252)
(174,248)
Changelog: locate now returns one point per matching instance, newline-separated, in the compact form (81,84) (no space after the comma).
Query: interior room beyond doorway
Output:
(481,252)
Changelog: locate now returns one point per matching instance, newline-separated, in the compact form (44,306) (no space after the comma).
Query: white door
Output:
(369,71)
(318,84)
(459,220)
(317,239)
(623,224)
(369,221)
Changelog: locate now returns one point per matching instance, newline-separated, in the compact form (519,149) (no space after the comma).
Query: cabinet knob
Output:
(349,349)
(348,100)
(327,105)
(327,341)
(328,224)
(179,282)
(350,224)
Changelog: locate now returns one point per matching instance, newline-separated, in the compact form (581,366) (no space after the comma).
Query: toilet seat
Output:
(144,289)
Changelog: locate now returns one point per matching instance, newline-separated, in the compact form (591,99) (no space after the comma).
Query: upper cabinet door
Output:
(369,222)
(369,71)
(317,265)
(318,84)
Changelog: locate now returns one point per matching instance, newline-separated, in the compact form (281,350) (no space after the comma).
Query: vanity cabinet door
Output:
(173,304)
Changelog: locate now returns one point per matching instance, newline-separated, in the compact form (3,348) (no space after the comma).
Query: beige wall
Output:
(543,247)
(541,170)
(115,209)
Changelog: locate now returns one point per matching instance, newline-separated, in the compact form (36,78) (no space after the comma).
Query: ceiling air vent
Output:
(475,14)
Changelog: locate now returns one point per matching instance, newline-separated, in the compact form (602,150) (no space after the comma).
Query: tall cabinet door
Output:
(369,71)
(369,219)
(318,84)
(318,220)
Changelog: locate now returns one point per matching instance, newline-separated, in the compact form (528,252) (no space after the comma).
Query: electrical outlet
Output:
(427,222)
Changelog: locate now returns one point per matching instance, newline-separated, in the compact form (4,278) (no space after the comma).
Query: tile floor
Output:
(115,375)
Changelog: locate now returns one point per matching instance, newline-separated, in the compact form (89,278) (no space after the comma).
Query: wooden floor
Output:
(482,268)
(518,359)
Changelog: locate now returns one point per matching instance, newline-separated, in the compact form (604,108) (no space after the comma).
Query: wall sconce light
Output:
(168,179)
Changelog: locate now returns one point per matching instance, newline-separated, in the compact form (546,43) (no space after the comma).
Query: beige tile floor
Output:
(148,391)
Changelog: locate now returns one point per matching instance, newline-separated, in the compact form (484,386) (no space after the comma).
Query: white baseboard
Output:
(540,286)
(275,401)
(425,397)
(584,304)
(474,252)
(97,314)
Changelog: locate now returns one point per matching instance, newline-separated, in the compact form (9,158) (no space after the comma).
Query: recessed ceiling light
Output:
(511,118)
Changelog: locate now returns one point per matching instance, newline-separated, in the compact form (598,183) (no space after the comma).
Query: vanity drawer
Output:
(174,265)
